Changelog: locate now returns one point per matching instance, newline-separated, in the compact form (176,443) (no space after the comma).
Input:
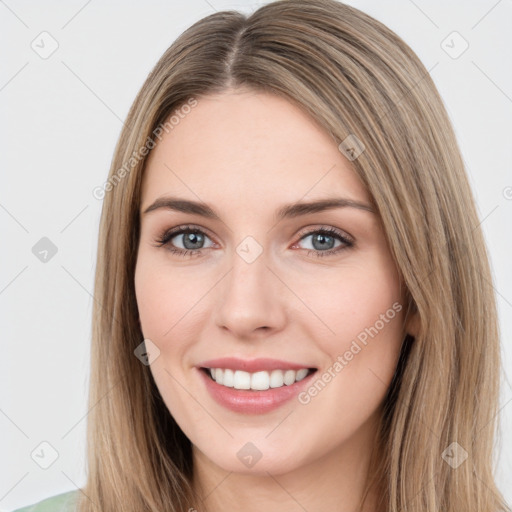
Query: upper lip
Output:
(252,365)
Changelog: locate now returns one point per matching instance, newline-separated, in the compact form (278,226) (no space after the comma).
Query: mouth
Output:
(256,381)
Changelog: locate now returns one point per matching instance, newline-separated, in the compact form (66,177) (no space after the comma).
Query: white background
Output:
(60,120)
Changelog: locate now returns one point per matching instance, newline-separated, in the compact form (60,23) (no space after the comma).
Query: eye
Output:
(323,241)
(191,238)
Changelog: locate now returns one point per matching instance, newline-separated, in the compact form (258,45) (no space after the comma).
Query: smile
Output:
(257,381)
(254,386)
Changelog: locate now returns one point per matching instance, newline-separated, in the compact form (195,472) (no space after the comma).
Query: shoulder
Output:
(60,503)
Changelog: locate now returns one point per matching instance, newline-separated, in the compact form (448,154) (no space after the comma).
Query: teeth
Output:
(258,381)
(289,377)
(276,379)
(301,374)
(228,378)
(242,380)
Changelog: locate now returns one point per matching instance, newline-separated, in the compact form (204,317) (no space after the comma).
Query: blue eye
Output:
(193,239)
(324,239)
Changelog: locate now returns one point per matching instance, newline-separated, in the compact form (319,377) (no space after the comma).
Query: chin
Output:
(253,459)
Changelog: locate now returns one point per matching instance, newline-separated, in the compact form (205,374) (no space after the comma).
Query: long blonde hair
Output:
(356,78)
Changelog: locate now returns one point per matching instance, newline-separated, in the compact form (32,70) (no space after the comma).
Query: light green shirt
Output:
(61,503)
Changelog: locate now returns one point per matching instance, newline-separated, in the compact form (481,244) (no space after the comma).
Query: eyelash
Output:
(166,237)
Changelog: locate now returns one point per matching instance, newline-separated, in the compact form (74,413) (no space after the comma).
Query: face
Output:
(238,275)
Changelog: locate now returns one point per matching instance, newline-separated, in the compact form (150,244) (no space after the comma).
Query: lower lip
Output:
(253,402)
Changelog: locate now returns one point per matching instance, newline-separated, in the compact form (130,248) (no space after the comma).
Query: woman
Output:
(294,308)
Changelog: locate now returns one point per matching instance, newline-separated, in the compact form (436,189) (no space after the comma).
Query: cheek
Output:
(364,316)
(161,298)
(360,298)
(163,301)
(151,297)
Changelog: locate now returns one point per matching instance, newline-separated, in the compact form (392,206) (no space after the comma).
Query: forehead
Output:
(246,147)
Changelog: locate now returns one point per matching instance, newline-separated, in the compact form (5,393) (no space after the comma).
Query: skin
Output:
(247,153)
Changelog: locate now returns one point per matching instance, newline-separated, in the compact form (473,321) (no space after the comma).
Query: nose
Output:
(250,300)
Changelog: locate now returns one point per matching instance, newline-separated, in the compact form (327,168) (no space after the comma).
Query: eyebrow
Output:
(285,212)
